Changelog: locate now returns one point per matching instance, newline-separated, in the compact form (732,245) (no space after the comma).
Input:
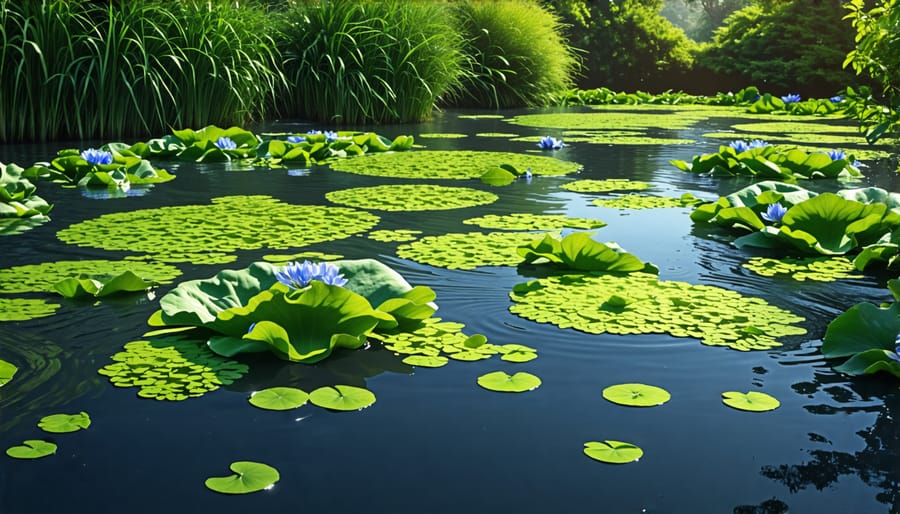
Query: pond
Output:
(435,441)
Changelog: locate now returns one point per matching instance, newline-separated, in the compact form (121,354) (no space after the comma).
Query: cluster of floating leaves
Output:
(339,397)
(41,277)
(394,236)
(442,135)
(525,221)
(605,186)
(467,250)
(435,341)
(318,256)
(609,120)
(171,368)
(819,269)
(228,224)
(636,201)
(450,164)
(22,309)
(411,197)
(496,134)
(610,137)
(639,303)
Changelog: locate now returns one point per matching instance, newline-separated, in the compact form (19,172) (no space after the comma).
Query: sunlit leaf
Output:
(249,477)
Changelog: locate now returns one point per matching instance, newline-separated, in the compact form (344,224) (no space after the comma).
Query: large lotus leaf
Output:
(871,195)
(738,217)
(409,310)
(862,327)
(833,222)
(871,361)
(372,279)
(212,133)
(878,252)
(749,196)
(165,147)
(579,252)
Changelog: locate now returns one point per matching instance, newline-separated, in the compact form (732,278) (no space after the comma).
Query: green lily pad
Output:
(32,449)
(228,224)
(249,477)
(442,135)
(636,395)
(526,221)
(7,371)
(342,397)
(432,338)
(63,423)
(636,201)
(450,164)
(753,401)
(467,250)
(818,269)
(279,398)
(504,135)
(43,277)
(502,382)
(605,186)
(613,452)
(411,197)
(390,236)
(517,353)
(426,361)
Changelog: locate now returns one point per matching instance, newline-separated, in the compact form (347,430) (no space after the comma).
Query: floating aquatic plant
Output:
(605,186)
(526,221)
(64,423)
(20,208)
(22,309)
(302,255)
(640,303)
(7,372)
(248,477)
(467,250)
(319,148)
(390,236)
(613,452)
(450,164)
(753,401)
(86,286)
(411,197)
(279,398)
(426,361)
(227,224)
(637,201)
(443,135)
(171,368)
(342,398)
(818,269)
(500,381)
(32,449)
(45,276)
(579,252)
(435,337)
(636,395)
(114,165)
(550,143)
(672,119)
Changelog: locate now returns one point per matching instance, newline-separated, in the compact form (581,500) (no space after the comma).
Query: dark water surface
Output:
(435,441)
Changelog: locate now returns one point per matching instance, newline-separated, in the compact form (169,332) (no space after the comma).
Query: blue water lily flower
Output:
(791,98)
(896,353)
(836,99)
(296,139)
(95,157)
(298,275)
(774,213)
(225,143)
(739,145)
(550,143)
(331,136)
(757,143)
(836,155)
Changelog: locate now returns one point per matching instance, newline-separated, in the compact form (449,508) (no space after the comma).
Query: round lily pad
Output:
(228,224)
(613,452)
(249,477)
(818,269)
(279,398)
(636,395)
(433,338)
(605,186)
(502,382)
(517,353)
(450,164)
(525,221)
(7,370)
(468,250)
(753,401)
(426,361)
(32,449)
(411,197)
(390,236)
(636,201)
(342,397)
(63,423)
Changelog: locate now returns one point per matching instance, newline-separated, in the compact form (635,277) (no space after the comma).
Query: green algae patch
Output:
(226,225)
(450,164)
(673,120)
(437,338)
(605,186)
(23,309)
(636,201)
(42,277)
(171,368)
(480,116)
(794,137)
(442,135)
(817,269)
(394,236)
(411,197)
(640,303)
(317,256)
(496,134)
(467,250)
(526,221)
(793,127)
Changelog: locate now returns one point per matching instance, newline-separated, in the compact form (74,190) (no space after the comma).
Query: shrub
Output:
(516,54)
(356,62)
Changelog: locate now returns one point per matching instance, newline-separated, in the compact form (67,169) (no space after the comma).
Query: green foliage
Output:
(32,449)
(613,452)
(127,168)
(44,277)
(789,45)
(7,372)
(771,162)
(279,398)
(20,208)
(579,252)
(21,309)
(523,221)
(515,52)
(768,104)
(637,201)
(84,286)
(342,398)
(64,423)
(411,197)
(606,96)
(636,395)
(877,51)
(467,250)
(248,477)
(500,381)
(819,269)
(356,62)
(752,401)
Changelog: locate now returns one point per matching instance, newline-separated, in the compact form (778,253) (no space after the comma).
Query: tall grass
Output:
(85,70)
(517,55)
(364,61)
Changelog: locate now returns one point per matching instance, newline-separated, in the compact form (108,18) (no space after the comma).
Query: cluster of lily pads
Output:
(20,208)
(763,161)
(776,215)
(794,104)
(113,166)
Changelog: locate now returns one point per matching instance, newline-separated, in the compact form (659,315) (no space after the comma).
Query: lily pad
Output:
(605,186)
(63,423)
(7,371)
(390,236)
(504,383)
(613,452)
(22,309)
(279,398)
(32,449)
(432,338)
(526,221)
(43,277)
(467,250)
(450,164)
(426,361)
(517,353)
(636,395)
(818,269)
(249,477)
(636,201)
(411,197)
(753,401)
(342,398)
